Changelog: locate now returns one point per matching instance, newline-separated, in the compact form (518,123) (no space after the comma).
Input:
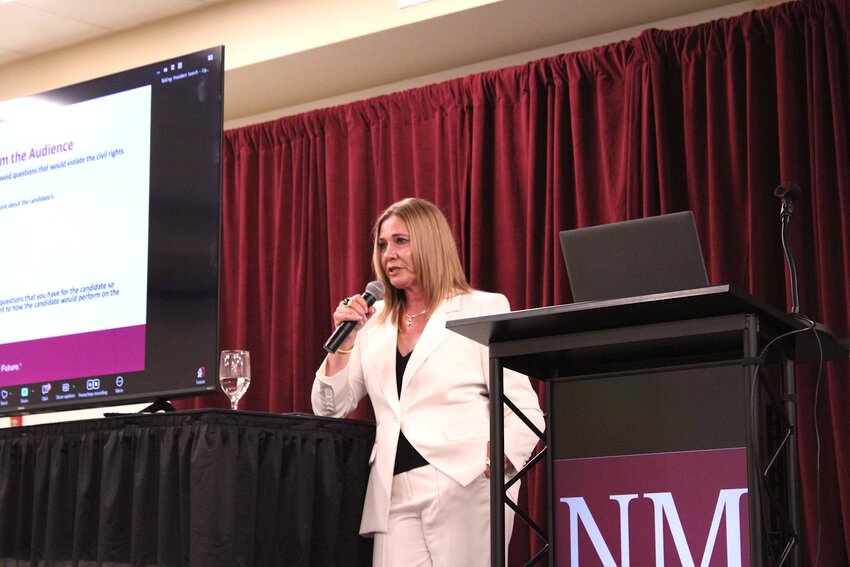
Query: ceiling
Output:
(452,42)
(33,27)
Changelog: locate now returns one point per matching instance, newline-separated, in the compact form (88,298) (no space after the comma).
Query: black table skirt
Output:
(201,488)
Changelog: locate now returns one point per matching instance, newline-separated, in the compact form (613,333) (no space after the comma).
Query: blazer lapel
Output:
(435,332)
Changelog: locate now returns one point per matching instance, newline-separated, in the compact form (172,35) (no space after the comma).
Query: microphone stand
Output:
(821,336)
(788,195)
(789,443)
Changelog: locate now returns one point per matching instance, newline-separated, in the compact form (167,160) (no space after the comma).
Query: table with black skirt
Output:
(200,488)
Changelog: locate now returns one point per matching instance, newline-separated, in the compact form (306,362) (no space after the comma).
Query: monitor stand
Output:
(160,404)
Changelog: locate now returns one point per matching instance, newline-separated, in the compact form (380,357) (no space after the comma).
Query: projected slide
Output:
(74,193)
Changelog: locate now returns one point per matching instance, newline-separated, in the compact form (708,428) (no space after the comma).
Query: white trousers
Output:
(436,522)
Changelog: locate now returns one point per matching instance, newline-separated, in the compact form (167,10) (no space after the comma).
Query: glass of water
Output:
(234,374)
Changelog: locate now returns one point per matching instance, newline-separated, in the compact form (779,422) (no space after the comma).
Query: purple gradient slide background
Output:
(73,356)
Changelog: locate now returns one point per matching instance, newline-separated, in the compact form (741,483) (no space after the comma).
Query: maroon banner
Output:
(685,508)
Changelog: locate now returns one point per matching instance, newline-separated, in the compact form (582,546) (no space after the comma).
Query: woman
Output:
(428,497)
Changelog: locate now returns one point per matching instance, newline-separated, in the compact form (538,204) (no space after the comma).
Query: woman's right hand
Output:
(353,308)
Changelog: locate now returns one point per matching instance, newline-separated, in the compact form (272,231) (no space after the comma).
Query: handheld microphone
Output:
(374,292)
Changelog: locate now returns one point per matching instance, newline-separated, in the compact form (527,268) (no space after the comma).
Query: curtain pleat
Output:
(709,118)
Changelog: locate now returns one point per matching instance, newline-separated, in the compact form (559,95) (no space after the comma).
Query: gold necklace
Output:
(411,317)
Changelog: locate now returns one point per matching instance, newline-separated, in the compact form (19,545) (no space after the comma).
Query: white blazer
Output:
(444,407)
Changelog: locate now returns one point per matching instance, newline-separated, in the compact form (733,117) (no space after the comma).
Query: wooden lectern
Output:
(670,425)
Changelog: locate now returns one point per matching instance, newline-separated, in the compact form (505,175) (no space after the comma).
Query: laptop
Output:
(632,258)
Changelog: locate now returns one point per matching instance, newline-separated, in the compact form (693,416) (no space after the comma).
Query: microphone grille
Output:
(375,289)
(791,192)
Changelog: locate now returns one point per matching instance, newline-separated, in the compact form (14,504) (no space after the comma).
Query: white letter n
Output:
(579,512)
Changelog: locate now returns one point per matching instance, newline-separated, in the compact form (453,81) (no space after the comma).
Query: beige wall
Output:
(289,56)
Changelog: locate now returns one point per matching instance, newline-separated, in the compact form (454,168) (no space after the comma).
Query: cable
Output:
(818,518)
(755,418)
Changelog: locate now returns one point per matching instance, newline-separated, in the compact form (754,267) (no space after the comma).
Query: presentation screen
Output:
(110,194)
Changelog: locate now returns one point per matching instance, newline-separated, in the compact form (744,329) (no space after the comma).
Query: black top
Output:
(406,456)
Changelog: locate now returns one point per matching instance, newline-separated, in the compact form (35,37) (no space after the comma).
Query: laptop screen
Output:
(631,258)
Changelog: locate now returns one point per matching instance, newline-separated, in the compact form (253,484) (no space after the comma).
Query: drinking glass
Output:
(234,374)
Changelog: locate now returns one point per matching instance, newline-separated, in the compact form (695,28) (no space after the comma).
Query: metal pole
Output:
(792,464)
(497,466)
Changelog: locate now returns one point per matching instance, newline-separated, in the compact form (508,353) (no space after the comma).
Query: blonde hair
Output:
(435,256)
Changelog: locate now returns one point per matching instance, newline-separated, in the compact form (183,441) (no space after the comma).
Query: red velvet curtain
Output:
(710,118)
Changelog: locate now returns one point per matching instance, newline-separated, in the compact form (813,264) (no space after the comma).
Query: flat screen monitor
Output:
(110,197)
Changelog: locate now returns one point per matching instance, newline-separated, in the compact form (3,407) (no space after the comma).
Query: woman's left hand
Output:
(509,467)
